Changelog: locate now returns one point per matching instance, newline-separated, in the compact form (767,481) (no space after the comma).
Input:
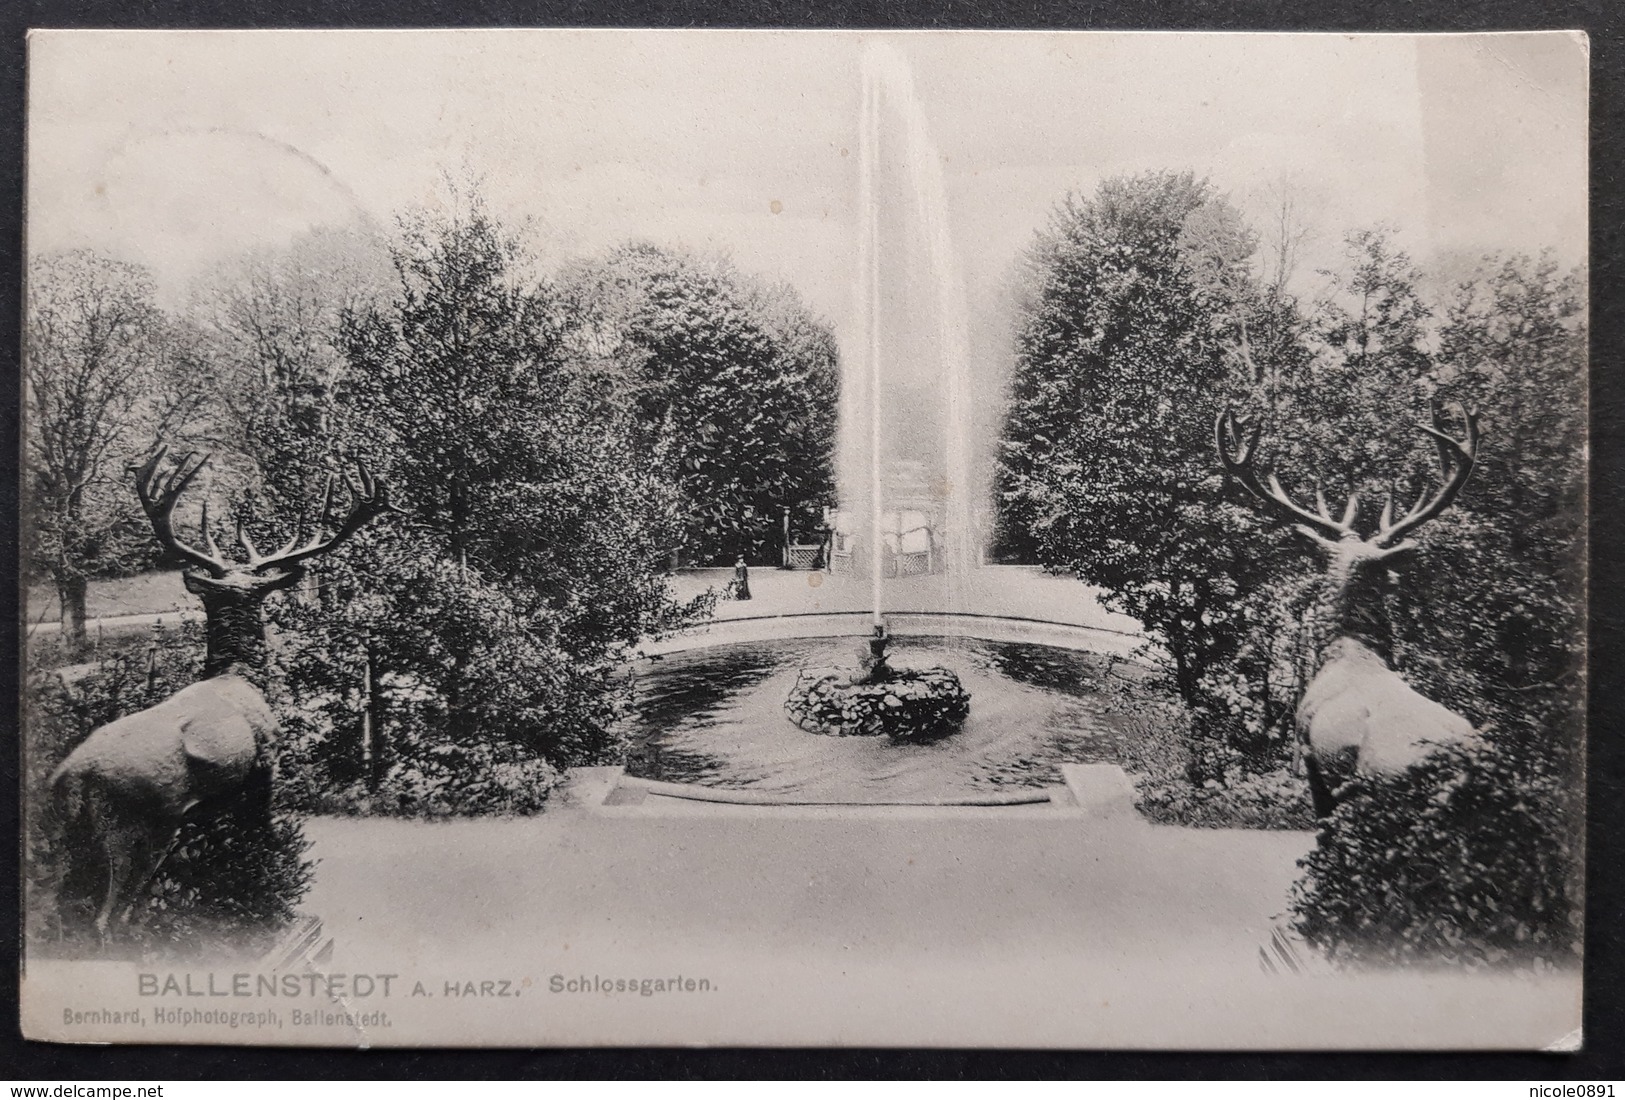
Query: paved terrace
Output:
(1017,591)
(1029,926)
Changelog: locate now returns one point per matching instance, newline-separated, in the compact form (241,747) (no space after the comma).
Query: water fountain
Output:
(894,710)
(904,473)
(904,703)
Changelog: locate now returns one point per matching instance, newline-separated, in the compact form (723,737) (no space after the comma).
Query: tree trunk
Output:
(374,739)
(1184,682)
(1179,647)
(1184,675)
(70,593)
(456,720)
(456,534)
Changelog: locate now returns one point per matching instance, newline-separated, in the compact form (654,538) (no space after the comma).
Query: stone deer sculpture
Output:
(1357,715)
(131,783)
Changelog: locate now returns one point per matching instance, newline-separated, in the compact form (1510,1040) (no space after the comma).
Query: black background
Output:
(1604,1053)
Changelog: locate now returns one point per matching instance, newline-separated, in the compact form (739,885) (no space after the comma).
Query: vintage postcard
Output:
(805,538)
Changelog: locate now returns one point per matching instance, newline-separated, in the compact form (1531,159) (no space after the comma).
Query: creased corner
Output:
(1568,1044)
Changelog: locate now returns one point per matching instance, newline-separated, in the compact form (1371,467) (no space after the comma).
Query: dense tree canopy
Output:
(268,325)
(1125,352)
(1144,320)
(529,557)
(733,386)
(1493,614)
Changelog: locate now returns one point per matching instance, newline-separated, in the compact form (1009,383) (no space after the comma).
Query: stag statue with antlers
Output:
(133,782)
(1357,715)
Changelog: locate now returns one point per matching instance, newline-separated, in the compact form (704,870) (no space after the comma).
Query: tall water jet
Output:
(869,278)
(906,704)
(905,477)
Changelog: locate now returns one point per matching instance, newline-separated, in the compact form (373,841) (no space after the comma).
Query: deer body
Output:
(131,784)
(200,742)
(1357,715)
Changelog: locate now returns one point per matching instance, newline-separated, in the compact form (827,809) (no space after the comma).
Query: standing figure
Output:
(741,579)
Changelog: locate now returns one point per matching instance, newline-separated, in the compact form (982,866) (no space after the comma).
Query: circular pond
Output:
(715,716)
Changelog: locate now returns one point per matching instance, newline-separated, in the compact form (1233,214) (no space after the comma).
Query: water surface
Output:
(714,716)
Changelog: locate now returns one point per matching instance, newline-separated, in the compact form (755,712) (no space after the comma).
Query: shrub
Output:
(1184,778)
(430,777)
(475,779)
(227,880)
(1467,859)
(479,726)
(1239,800)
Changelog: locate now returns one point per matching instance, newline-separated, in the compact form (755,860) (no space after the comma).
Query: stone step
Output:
(1103,791)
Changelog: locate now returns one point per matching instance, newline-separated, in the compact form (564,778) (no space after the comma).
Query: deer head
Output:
(232,591)
(1355,564)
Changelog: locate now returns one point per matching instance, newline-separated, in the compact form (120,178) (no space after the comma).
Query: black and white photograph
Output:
(542,538)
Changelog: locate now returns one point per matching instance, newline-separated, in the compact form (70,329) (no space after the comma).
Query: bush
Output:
(1240,800)
(1183,777)
(1467,859)
(225,881)
(475,705)
(427,777)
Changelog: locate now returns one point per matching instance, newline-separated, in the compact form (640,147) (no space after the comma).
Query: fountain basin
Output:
(712,716)
(907,704)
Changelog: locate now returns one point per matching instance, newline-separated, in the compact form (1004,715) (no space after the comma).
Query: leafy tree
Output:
(733,386)
(443,376)
(1125,352)
(1486,614)
(96,391)
(1513,345)
(1374,316)
(268,324)
(1352,415)
(498,609)
(1492,614)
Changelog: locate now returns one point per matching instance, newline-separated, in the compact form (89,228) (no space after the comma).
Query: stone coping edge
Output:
(1100,791)
(906,613)
(696,793)
(841,624)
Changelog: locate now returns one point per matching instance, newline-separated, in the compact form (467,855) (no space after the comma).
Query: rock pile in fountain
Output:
(906,704)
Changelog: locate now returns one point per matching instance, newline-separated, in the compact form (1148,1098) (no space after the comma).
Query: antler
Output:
(1456,461)
(1317,524)
(159,492)
(369,499)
